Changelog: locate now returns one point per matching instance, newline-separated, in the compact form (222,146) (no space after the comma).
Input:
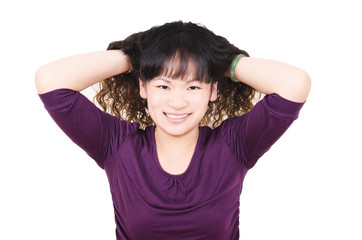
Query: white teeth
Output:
(176,116)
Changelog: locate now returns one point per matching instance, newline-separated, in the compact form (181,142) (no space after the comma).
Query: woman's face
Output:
(177,105)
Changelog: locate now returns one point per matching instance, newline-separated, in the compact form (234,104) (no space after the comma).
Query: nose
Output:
(177,100)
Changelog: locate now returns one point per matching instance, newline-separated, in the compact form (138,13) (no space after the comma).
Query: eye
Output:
(163,87)
(194,88)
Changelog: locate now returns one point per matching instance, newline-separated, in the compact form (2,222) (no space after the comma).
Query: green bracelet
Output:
(233,65)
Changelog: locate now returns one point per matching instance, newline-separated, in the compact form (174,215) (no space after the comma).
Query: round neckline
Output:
(157,161)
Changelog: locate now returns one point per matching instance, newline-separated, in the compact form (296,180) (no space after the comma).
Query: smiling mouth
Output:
(178,116)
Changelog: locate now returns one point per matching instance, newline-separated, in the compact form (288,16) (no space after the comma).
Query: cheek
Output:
(154,101)
(203,100)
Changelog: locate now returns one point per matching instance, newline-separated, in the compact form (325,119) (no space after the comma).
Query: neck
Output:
(166,142)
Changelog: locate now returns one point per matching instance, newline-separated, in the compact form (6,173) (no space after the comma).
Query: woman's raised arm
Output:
(81,71)
(268,76)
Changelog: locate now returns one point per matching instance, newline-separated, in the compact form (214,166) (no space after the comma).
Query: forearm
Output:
(268,76)
(81,71)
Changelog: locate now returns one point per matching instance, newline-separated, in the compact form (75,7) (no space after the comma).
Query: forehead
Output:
(186,79)
(178,68)
(178,65)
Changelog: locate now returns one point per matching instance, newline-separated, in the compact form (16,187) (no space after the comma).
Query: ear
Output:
(143,90)
(213,95)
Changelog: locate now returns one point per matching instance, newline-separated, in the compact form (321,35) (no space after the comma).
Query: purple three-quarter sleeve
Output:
(95,131)
(252,134)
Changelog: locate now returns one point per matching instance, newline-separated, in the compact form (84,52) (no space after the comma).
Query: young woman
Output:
(185,132)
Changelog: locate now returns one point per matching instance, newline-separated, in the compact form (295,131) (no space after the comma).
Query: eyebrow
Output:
(169,81)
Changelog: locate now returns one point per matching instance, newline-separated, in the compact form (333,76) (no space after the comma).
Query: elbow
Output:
(41,82)
(298,88)
(303,86)
(38,80)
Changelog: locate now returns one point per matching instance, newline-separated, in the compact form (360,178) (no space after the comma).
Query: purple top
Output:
(149,203)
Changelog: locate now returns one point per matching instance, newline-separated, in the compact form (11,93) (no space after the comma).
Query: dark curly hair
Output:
(151,52)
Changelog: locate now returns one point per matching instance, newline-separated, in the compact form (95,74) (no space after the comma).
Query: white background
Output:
(308,186)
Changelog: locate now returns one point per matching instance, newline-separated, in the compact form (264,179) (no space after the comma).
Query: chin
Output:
(178,131)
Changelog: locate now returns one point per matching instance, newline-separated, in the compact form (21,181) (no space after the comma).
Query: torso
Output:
(195,199)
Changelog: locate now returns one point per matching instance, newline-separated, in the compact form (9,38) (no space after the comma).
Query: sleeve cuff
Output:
(58,100)
(283,107)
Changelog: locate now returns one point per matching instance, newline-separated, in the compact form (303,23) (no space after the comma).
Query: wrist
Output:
(232,68)
(117,62)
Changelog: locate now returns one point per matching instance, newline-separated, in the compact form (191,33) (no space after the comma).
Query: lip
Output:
(177,117)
